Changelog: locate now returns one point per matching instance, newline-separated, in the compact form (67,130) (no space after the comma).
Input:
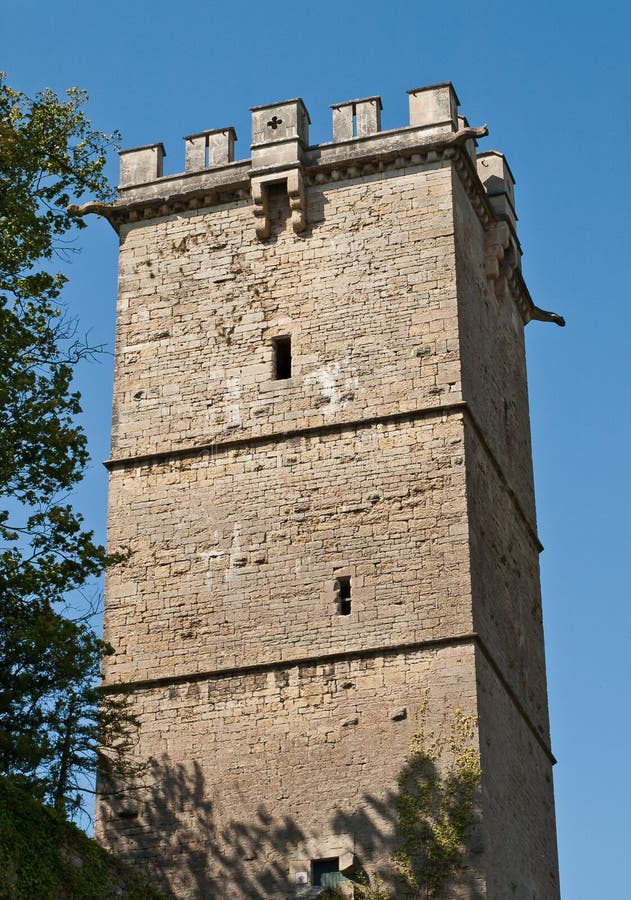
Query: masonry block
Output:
(209,148)
(280,133)
(356,118)
(499,183)
(142,164)
(434,107)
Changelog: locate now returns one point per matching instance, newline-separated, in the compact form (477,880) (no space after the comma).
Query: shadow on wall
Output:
(171,833)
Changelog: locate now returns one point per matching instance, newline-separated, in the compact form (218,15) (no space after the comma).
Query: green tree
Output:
(50,156)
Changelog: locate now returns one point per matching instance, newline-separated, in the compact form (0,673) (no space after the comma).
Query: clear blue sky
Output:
(552,81)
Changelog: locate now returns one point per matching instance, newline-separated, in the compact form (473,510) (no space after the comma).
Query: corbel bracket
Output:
(294,182)
(261,208)
(501,257)
(297,205)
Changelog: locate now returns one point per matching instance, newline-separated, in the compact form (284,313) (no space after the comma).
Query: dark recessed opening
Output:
(282,357)
(128,812)
(325,872)
(344,594)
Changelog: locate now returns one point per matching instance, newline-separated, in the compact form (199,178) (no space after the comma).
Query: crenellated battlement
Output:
(280,134)
(281,154)
(209,148)
(356,118)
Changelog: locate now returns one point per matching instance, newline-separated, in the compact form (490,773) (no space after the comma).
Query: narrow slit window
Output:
(343,591)
(282,358)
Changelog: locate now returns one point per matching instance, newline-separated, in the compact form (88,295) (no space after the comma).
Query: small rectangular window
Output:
(344,595)
(326,872)
(282,357)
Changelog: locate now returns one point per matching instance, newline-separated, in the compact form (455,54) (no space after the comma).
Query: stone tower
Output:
(321,464)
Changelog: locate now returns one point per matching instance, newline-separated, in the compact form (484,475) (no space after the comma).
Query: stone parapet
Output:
(141,164)
(280,136)
(356,118)
(210,148)
(435,106)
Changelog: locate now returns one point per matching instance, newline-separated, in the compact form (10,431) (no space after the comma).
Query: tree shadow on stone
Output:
(422,839)
(429,828)
(169,827)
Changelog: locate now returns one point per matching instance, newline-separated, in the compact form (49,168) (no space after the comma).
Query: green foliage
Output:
(373,889)
(42,856)
(49,156)
(436,809)
(436,805)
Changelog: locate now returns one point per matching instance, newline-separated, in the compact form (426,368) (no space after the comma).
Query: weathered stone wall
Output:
(506,598)
(235,553)
(397,454)
(517,798)
(257,774)
(369,298)
(493,355)
(505,583)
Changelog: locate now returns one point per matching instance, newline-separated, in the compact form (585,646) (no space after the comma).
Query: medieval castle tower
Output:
(321,464)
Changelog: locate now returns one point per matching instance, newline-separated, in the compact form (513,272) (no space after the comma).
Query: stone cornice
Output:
(322,164)
(215,448)
(333,656)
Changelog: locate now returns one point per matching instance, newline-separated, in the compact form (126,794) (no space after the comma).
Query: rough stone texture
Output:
(234,555)
(493,359)
(200,301)
(517,798)
(257,774)
(397,454)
